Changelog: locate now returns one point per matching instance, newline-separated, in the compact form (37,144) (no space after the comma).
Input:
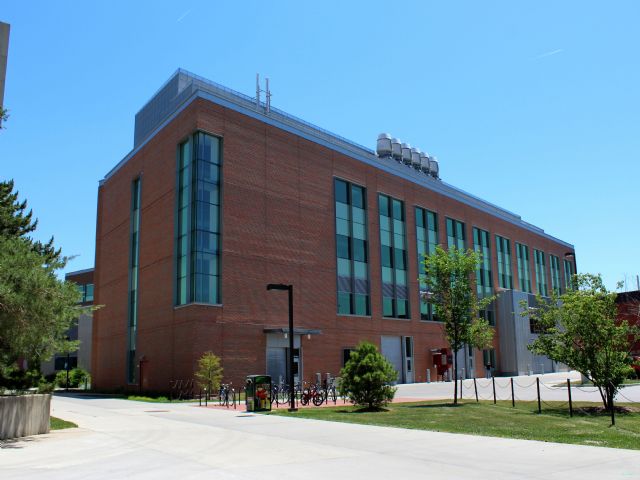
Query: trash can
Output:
(258,393)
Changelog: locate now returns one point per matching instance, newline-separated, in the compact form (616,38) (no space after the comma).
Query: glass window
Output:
(522,253)
(393,257)
(554,263)
(89,293)
(197,241)
(456,236)
(351,249)
(503,252)
(134,248)
(541,273)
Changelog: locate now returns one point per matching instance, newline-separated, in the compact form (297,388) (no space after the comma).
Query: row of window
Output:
(352,256)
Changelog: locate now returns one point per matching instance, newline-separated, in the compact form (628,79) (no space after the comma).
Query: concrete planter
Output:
(24,415)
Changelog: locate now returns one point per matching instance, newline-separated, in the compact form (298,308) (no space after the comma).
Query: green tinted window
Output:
(351,249)
(427,240)
(393,255)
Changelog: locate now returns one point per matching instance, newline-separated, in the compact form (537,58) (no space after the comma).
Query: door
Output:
(408,359)
(471,364)
(277,364)
(391,348)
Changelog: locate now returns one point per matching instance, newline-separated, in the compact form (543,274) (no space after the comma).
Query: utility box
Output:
(258,393)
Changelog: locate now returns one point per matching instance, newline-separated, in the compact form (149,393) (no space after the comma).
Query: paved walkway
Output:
(553,387)
(124,439)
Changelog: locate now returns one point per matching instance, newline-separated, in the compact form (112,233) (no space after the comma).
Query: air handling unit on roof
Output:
(424,163)
(389,147)
(415,158)
(383,146)
(396,150)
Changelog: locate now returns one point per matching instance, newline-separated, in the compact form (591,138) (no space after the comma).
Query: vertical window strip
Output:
(205,226)
(134,254)
(198,226)
(352,249)
(456,235)
(524,277)
(484,280)
(568,273)
(183,227)
(395,294)
(555,274)
(503,251)
(541,273)
(427,240)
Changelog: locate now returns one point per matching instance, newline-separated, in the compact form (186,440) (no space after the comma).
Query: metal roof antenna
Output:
(268,95)
(257,90)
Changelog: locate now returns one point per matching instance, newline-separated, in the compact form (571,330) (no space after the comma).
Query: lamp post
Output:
(288,288)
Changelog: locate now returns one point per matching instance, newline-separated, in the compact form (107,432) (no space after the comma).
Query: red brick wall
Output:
(278,227)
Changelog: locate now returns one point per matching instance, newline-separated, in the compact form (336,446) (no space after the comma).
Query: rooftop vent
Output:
(389,147)
(406,154)
(383,147)
(424,163)
(433,167)
(396,149)
(415,158)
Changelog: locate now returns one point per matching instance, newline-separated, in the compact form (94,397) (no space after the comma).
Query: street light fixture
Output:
(288,288)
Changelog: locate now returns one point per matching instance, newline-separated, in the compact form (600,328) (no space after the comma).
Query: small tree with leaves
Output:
(209,372)
(449,286)
(579,328)
(367,376)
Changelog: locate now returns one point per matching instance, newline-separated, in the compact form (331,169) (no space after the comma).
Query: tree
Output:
(366,377)
(4,116)
(450,288)
(15,221)
(36,308)
(579,328)
(209,373)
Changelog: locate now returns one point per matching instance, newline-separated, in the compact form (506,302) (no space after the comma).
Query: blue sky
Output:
(534,106)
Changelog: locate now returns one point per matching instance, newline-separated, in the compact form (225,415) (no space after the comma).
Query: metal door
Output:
(408,359)
(391,348)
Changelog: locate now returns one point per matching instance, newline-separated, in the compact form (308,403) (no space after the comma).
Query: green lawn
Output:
(59,424)
(501,420)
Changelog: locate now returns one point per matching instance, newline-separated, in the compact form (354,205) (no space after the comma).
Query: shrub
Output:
(77,377)
(366,378)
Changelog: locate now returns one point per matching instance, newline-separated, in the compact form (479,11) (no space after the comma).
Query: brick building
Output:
(222,195)
(81,329)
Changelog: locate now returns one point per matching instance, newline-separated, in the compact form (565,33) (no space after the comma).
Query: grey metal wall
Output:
(515,335)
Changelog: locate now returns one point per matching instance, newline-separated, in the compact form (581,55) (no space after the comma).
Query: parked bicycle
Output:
(227,395)
(312,393)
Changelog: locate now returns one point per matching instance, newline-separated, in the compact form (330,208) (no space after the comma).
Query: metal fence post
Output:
(538,387)
(513,396)
(493,381)
(570,404)
(475,387)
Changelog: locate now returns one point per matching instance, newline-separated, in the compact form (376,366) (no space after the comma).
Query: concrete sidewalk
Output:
(124,439)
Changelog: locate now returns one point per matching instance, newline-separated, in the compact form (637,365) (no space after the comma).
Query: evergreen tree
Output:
(16,221)
(36,308)
(366,377)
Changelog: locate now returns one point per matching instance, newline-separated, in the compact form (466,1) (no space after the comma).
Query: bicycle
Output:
(312,393)
(227,394)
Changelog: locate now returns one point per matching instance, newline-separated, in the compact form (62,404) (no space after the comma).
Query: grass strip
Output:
(501,420)
(59,424)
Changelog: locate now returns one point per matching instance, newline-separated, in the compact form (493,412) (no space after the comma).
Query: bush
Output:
(77,377)
(366,378)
